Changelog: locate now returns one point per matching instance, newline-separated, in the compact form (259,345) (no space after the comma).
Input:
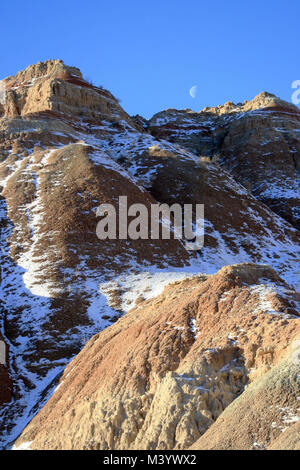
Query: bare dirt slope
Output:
(163,374)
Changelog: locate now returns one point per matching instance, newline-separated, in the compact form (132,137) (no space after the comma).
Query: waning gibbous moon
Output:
(193,91)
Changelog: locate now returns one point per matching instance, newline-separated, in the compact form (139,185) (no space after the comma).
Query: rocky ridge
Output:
(161,376)
(257,141)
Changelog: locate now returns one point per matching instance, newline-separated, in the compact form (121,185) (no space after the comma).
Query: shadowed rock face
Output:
(265,416)
(66,146)
(161,375)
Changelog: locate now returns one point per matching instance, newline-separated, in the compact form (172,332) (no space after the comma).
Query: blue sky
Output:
(150,53)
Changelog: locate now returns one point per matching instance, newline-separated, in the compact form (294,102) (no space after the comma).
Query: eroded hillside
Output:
(162,375)
(67,146)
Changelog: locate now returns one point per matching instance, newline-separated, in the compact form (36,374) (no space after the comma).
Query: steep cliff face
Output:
(161,375)
(67,146)
(258,142)
(54,89)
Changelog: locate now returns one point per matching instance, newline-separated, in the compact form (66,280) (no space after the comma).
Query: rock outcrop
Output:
(162,375)
(265,416)
(53,89)
(257,141)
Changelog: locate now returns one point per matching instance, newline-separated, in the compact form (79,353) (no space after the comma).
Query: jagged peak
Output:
(48,68)
(60,91)
(263,100)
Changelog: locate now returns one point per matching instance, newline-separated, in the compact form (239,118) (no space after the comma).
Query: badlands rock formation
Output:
(66,146)
(162,375)
(258,142)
